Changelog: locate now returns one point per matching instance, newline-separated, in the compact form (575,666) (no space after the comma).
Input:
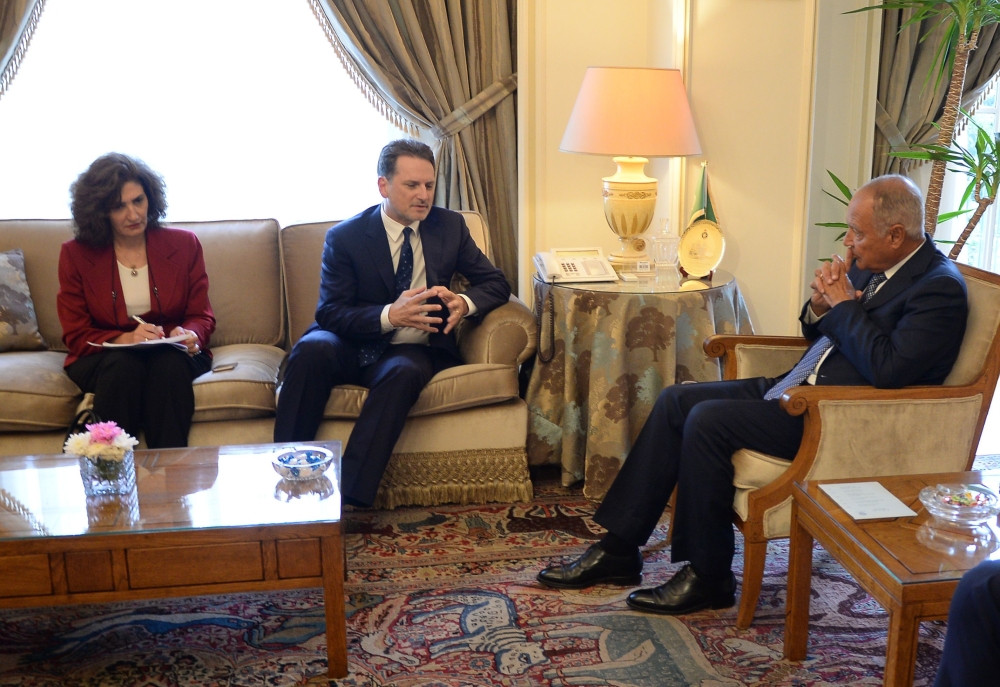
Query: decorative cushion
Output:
(463,386)
(18,326)
(246,391)
(35,393)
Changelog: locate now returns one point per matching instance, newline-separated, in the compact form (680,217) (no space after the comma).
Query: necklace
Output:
(134,269)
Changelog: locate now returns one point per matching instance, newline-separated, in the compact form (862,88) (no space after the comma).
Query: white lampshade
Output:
(631,111)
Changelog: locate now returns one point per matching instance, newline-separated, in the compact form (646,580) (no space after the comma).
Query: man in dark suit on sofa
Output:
(904,327)
(385,315)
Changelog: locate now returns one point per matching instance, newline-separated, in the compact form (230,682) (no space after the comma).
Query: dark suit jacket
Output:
(88,276)
(908,333)
(358,279)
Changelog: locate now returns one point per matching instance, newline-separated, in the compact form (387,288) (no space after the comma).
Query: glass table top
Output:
(176,489)
(651,283)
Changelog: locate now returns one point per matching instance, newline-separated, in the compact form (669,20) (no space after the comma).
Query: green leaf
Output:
(841,185)
(839,200)
(838,225)
(945,216)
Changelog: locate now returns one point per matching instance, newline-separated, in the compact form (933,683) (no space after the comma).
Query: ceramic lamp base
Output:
(629,204)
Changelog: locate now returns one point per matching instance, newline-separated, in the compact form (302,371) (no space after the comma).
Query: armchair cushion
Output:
(463,386)
(754,470)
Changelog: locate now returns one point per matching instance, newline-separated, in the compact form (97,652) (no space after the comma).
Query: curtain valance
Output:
(18,19)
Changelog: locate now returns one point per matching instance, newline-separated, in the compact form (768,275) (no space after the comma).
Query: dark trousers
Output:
(688,442)
(972,645)
(144,390)
(320,361)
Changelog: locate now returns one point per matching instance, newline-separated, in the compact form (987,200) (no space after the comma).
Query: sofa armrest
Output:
(506,335)
(755,356)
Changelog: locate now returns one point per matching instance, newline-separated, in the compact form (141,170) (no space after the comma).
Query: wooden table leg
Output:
(333,601)
(797,596)
(901,654)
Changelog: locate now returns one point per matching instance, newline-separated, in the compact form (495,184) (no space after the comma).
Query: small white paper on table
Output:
(866,500)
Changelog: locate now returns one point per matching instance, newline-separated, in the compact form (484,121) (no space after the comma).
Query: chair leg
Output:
(754,555)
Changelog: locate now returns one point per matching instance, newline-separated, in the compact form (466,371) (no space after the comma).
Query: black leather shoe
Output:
(595,566)
(685,593)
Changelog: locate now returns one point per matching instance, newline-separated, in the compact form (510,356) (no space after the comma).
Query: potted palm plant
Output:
(963,20)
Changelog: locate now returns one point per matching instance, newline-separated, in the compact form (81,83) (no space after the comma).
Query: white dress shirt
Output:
(394,232)
(812,318)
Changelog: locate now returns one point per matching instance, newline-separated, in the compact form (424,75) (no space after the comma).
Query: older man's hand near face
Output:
(832,285)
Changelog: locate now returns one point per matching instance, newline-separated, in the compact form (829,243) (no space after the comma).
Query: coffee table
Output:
(201,521)
(911,570)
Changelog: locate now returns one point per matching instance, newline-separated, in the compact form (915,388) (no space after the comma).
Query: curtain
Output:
(445,67)
(18,19)
(908,102)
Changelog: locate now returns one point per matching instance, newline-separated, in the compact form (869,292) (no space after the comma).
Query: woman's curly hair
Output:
(99,189)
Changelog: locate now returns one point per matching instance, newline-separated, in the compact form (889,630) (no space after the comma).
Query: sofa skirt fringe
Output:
(471,476)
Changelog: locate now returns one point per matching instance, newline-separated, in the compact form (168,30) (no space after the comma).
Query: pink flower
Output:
(104,432)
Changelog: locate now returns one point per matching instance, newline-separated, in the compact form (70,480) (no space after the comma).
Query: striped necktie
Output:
(808,362)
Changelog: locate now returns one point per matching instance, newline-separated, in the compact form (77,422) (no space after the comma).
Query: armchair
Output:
(464,440)
(858,431)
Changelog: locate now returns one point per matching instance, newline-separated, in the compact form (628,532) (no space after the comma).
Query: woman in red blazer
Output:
(125,279)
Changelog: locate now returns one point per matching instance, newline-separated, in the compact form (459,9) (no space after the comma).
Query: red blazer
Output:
(90,302)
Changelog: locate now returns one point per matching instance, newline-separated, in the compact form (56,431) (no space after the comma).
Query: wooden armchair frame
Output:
(811,401)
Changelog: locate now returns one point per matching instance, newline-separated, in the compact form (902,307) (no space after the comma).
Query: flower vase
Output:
(103,476)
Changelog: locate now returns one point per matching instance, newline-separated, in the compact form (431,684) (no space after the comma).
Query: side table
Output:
(890,559)
(614,347)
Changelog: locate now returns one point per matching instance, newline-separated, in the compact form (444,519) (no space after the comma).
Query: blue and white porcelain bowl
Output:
(302,464)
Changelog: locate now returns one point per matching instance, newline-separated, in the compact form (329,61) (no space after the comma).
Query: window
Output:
(241,105)
(983,247)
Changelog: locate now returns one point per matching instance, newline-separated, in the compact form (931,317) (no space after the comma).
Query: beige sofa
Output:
(466,436)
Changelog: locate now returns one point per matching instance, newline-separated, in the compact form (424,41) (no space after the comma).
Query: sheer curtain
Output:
(444,67)
(239,104)
(908,102)
(18,19)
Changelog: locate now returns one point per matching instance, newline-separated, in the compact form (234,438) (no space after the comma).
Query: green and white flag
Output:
(704,204)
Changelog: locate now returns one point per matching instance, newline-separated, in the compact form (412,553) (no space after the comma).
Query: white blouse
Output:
(135,289)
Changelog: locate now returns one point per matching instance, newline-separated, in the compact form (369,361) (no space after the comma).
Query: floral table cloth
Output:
(613,351)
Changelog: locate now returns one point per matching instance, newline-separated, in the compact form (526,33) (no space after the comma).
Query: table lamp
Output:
(628,112)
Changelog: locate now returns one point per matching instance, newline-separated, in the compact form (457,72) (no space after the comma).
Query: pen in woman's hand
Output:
(142,321)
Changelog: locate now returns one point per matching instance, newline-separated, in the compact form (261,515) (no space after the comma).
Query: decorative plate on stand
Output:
(702,247)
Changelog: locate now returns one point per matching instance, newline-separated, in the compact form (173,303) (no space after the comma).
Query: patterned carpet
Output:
(445,597)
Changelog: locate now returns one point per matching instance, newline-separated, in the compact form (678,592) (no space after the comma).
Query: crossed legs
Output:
(687,442)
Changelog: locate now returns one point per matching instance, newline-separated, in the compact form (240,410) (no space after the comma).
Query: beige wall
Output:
(846,85)
(750,70)
(557,40)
